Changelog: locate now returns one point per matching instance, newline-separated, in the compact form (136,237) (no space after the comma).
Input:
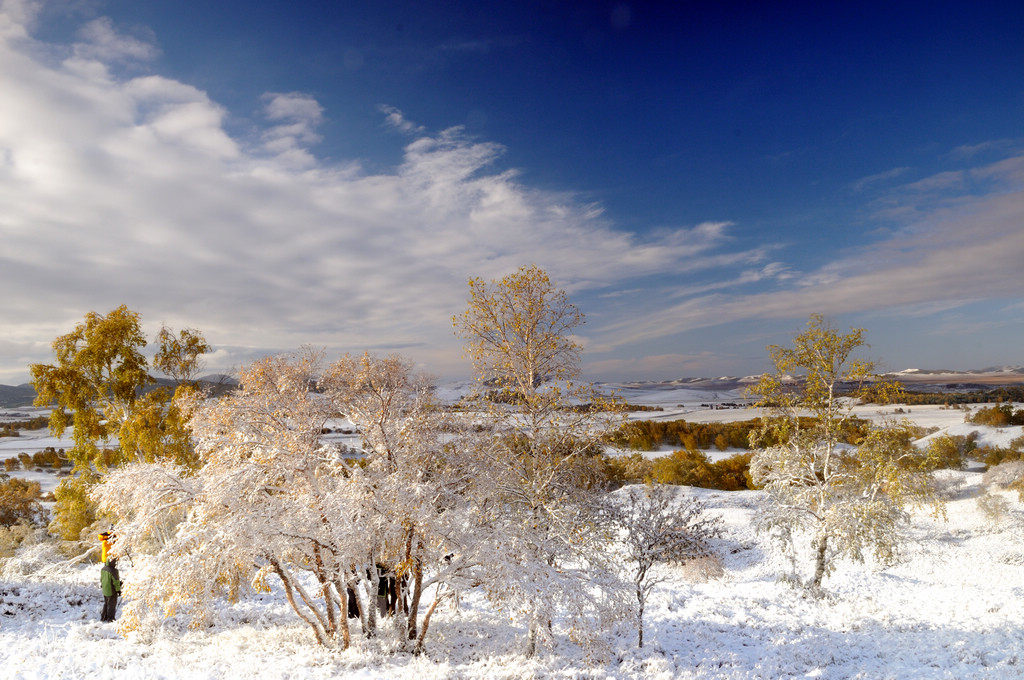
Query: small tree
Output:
(657,530)
(849,497)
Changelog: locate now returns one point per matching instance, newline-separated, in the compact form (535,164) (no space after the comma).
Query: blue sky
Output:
(701,177)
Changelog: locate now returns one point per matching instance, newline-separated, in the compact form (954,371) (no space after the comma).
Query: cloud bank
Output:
(119,185)
(128,189)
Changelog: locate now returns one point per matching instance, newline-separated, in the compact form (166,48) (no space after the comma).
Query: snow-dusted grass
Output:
(950,609)
(953,607)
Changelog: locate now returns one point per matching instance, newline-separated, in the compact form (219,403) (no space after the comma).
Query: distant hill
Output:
(12,396)
(912,378)
(17,395)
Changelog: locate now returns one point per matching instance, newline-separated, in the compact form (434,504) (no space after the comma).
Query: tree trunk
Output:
(640,619)
(417,593)
(312,618)
(426,622)
(342,595)
(819,564)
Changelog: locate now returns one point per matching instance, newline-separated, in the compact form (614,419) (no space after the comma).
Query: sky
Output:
(699,177)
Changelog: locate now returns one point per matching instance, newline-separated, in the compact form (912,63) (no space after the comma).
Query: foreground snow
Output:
(950,609)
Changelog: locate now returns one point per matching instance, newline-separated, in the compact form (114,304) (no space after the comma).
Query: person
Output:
(110,582)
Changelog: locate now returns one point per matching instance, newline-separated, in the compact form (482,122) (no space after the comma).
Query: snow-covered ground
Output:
(950,608)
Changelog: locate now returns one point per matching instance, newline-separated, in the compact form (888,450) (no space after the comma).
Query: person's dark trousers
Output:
(109,607)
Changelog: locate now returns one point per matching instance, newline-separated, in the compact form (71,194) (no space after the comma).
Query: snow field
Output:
(952,607)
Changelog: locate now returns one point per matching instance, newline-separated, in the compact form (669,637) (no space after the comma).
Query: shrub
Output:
(1004,474)
(14,536)
(632,469)
(1000,415)
(692,468)
(74,510)
(19,502)
(688,468)
(996,455)
(1008,475)
(733,473)
(950,452)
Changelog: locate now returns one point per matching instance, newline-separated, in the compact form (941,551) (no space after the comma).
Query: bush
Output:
(692,468)
(687,468)
(1004,474)
(15,536)
(622,470)
(996,455)
(73,509)
(19,502)
(950,452)
(648,435)
(1000,415)
(48,457)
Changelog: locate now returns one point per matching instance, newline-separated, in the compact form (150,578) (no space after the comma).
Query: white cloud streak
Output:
(964,243)
(129,190)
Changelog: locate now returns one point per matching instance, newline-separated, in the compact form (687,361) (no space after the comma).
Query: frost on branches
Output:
(545,431)
(849,496)
(657,529)
(504,494)
(271,501)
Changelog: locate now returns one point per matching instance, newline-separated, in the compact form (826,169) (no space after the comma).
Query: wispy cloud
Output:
(130,190)
(101,42)
(870,180)
(964,244)
(397,120)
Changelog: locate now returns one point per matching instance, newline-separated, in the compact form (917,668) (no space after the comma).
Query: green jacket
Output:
(110,580)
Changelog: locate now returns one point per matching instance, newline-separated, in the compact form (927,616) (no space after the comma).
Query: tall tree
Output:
(848,496)
(97,386)
(545,431)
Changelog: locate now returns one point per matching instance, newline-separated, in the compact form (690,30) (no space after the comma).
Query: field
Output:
(950,608)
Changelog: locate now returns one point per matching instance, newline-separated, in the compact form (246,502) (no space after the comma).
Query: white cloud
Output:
(397,120)
(101,42)
(965,244)
(131,191)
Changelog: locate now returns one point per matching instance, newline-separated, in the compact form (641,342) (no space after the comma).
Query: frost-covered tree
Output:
(272,503)
(848,496)
(269,500)
(545,429)
(413,510)
(659,528)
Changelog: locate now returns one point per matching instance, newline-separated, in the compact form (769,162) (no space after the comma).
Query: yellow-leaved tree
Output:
(849,496)
(98,386)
